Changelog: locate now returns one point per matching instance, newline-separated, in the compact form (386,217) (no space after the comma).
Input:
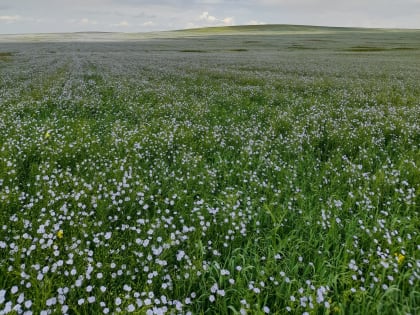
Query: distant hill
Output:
(277,28)
(269,29)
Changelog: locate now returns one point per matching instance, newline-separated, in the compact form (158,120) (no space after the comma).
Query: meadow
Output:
(238,170)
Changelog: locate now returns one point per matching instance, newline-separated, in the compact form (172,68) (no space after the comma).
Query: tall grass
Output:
(146,178)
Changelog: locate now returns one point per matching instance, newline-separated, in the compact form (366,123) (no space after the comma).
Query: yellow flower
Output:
(400,258)
(47,135)
(60,234)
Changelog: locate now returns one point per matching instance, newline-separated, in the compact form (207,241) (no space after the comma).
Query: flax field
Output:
(239,170)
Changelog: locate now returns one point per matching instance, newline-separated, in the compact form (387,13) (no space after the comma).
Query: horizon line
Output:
(218,27)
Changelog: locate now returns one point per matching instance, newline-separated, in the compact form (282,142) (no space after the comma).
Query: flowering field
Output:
(270,171)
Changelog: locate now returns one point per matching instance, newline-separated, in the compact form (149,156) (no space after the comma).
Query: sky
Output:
(52,16)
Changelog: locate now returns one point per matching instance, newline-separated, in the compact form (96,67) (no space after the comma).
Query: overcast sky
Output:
(46,16)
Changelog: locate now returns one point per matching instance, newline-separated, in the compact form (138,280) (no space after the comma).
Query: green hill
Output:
(276,29)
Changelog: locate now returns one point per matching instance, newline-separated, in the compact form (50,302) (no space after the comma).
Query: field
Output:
(240,170)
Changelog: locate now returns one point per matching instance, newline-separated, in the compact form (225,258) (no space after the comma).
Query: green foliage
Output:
(150,176)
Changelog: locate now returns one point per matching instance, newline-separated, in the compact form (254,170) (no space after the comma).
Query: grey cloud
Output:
(117,13)
(4,7)
(145,15)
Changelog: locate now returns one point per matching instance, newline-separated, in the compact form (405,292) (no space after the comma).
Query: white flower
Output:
(214,288)
(180,255)
(2,296)
(52,301)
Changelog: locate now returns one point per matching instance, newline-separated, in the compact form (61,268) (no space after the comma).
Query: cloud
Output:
(144,15)
(209,1)
(86,21)
(149,23)
(22,16)
(121,24)
(10,18)
(205,19)
(205,16)
(228,21)
(255,22)
(4,7)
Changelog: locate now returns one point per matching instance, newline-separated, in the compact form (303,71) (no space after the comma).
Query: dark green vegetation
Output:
(5,56)
(214,171)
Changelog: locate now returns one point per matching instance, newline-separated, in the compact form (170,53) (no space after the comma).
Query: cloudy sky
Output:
(40,16)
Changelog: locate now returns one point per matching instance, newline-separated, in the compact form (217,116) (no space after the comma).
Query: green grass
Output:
(5,56)
(370,49)
(143,175)
(194,51)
